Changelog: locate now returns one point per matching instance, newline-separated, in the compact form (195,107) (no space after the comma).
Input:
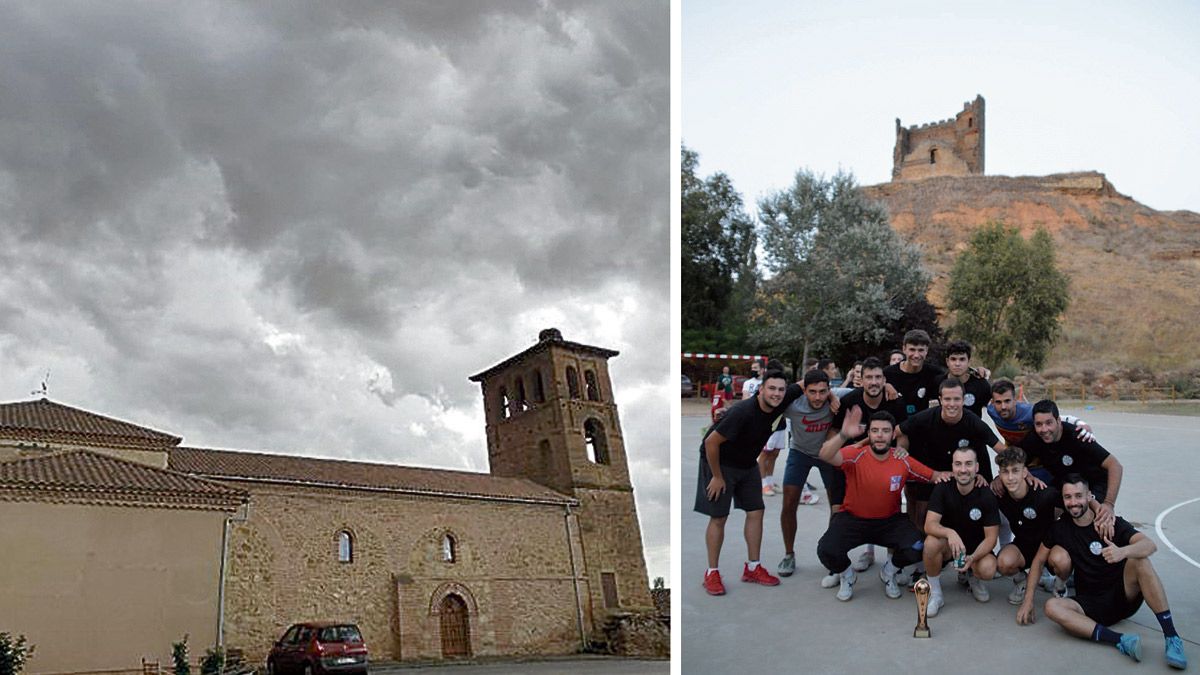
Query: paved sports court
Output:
(800,627)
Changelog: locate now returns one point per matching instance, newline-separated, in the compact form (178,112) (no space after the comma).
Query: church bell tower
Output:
(551,419)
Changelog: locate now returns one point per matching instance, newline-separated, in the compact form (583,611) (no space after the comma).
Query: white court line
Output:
(1158,528)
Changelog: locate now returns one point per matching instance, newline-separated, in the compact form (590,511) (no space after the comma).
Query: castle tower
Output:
(952,147)
(551,418)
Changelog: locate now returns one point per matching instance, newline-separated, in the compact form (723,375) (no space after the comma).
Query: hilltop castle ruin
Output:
(952,147)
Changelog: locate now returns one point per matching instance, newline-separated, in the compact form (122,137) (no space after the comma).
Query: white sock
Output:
(889,569)
(935,585)
(753,565)
(710,571)
(848,573)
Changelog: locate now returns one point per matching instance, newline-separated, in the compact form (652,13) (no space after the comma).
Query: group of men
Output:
(915,430)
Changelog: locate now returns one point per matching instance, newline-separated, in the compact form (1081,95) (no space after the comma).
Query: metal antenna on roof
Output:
(45,391)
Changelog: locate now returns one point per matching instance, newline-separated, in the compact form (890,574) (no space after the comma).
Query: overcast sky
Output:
(770,87)
(299,227)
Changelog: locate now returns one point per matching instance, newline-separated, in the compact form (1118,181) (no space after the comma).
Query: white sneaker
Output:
(1018,592)
(830,580)
(807,496)
(1047,581)
(1061,590)
(890,587)
(847,590)
(864,561)
(936,602)
(978,588)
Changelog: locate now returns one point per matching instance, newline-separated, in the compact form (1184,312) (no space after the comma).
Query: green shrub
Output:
(179,654)
(13,654)
(213,662)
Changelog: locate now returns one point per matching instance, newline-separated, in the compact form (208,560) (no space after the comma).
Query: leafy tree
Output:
(914,314)
(840,273)
(718,265)
(1008,296)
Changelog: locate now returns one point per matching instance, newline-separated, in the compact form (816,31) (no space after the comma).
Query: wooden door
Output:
(456,628)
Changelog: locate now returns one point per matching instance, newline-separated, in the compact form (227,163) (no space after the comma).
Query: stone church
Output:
(118,540)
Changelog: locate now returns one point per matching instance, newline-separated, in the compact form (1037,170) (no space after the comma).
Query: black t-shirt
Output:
(1093,574)
(933,443)
(915,389)
(746,429)
(965,514)
(1069,455)
(1030,516)
(855,398)
(977,393)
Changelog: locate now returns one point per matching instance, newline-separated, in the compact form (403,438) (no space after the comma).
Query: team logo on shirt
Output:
(962,442)
(975,514)
(921,392)
(895,484)
(1067,461)
(969,399)
(1029,512)
(1095,548)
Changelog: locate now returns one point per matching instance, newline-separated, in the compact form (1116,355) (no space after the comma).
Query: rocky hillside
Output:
(1135,272)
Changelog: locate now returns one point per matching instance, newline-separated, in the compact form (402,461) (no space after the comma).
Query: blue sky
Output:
(771,87)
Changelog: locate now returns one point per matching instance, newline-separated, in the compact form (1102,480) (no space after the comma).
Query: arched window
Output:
(933,156)
(597,444)
(572,383)
(970,122)
(504,412)
(449,548)
(593,389)
(522,401)
(345,544)
(539,391)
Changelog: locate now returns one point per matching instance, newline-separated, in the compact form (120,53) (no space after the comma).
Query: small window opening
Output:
(597,445)
(449,549)
(933,156)
(504,403)
(593,389)
(522,401)
(539,392)
(572,382)
(345,547)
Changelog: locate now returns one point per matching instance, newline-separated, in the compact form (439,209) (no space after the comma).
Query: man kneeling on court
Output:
(870,513)
(1111,578)
(962,524)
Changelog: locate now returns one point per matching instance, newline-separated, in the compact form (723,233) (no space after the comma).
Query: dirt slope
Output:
(1135,272)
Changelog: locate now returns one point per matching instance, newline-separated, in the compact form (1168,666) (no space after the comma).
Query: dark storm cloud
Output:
(301,226)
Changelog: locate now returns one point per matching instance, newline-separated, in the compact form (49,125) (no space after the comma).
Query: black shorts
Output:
(1028,549)
(1109,606)
(743,487)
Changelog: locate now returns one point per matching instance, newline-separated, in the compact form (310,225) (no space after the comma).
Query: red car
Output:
(319,647)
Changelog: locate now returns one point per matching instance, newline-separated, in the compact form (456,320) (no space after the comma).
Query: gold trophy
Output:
(921,590)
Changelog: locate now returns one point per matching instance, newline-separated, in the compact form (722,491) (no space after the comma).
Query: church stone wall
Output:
(513,569)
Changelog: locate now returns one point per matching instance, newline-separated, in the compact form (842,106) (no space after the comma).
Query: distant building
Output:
(118,540)
(952,147)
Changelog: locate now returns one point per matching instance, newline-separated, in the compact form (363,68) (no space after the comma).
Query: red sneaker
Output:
(760,575)
(712,583)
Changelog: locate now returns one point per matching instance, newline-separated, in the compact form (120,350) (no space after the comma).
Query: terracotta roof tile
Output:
(83,475)
(45,420)
(218,464)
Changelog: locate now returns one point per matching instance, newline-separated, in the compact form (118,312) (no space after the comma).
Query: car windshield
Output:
(339,634)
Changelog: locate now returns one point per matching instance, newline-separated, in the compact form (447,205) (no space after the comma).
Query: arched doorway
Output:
(456,628)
